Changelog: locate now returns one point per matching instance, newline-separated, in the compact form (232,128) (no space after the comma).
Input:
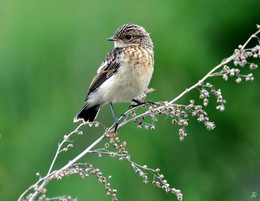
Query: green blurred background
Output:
(49,51)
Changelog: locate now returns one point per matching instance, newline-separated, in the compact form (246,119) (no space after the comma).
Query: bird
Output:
(123,75)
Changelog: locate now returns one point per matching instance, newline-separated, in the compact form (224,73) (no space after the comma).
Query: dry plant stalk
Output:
(178,112)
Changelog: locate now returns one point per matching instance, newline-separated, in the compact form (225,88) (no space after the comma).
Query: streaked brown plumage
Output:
(124,74)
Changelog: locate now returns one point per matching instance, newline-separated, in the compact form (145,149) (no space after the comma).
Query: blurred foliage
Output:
(51,49)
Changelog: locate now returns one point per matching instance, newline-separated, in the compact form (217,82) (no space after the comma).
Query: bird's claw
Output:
(138,103)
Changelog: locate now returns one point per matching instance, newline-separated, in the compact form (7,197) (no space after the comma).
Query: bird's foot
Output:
(139,103)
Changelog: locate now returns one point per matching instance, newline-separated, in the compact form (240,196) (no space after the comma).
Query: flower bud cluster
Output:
(160,182)
(86,169)
(140,172)
(205,94)
(143,96)
(241,55)
(145,125)
(180,113)
(120,146)
(182,133)
(240,59)
(226,71)
(158,179)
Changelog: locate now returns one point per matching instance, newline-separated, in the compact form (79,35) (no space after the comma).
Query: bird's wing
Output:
(108,68)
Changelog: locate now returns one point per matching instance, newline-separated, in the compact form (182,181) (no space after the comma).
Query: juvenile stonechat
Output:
(123,75)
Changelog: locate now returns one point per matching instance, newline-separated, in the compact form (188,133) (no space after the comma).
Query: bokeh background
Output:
(49,51)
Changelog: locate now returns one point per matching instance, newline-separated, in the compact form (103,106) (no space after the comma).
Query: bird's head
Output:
(131,34)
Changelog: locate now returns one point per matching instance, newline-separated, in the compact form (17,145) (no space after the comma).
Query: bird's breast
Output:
(131,79)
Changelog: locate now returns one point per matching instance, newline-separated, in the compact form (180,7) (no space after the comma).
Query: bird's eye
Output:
(128,37)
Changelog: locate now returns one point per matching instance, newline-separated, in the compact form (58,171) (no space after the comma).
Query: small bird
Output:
(123,75)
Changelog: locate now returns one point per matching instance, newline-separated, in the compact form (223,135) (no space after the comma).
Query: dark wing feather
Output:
(109,67)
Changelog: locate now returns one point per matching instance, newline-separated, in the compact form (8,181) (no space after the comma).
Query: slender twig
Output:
(86,151)
(203,79)
(66,138)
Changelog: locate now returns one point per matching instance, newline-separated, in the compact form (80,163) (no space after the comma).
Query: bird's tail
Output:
(87,114)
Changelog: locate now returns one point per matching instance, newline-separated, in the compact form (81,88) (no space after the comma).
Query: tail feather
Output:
(87,114)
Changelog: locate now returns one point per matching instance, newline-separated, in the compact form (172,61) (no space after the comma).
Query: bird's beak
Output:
(111,38)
